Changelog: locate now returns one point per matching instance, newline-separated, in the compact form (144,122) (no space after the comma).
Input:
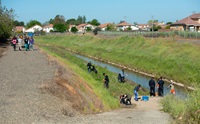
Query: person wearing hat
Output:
(171,86)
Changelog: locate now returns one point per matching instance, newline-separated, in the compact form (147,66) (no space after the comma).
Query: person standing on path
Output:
(20,43)
(135,91)
(152,85)
(160,86)
(26,43)
(14,42)
(31,42)
(106,81)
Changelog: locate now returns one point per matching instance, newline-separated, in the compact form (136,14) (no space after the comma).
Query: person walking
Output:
(152,85)
(26,43)
(106,81)
(160,86)
(14,42)
(135,91)
(20,43)
(31,42)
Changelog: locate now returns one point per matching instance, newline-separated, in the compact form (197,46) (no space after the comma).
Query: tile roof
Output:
(19,28)
(124,24)
(81,25)
(104,25)
(49,26)
(189,20)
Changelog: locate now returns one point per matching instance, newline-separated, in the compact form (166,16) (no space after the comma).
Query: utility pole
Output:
(152,26)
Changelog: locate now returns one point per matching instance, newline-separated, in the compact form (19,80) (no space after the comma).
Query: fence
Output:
(181,34)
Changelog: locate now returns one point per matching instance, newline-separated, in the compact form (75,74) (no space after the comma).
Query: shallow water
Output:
(135,77)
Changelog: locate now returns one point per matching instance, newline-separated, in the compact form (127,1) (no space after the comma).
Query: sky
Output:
(139,11)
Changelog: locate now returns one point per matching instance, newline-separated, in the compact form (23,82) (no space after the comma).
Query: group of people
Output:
(91,67)
(160,86)
(23,42)
(125,99)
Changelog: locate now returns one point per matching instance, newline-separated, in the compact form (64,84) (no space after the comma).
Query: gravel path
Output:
(24,73)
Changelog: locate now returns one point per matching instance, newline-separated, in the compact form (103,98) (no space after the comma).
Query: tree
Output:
(51,21)
(88,29)
(71,21)
(31,23)
(95,31)
(129,28)
(17,23)
(59,19)
(6,22)
(74,30)
(111,27)
(60,27)
(169,23)
(95,22)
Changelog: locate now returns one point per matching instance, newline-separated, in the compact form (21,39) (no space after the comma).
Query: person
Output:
(31,42)
(152,85)
(20,43)
(119,77)
(171,86)
(106,80)
(14,42)
(135,91)
(26,43)
(125,99)
(122,99)
(160,86)
(123,74)
(89,66)
(93,69)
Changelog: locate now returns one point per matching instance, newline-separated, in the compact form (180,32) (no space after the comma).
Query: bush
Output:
(95,31)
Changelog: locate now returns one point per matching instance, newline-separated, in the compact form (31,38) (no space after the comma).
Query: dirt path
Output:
(23,78)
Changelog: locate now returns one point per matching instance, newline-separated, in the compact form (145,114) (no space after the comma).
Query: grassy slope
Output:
(167,58)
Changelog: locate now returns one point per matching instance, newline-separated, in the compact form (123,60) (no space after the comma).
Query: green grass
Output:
(162,57)
(109,97)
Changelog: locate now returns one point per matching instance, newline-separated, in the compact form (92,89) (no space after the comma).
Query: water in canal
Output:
(135,77)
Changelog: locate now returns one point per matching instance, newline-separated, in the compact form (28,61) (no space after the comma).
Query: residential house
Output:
(143,27)
(48,28)
(33,29)
(190,23)
(104,26)
(19,29)
(124,25)
(83,27)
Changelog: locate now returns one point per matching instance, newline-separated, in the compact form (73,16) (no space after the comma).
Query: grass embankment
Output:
(167,58)
(109,97)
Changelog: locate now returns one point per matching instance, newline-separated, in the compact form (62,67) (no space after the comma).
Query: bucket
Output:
(145,98)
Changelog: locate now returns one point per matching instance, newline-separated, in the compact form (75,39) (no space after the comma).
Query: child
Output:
(171,86)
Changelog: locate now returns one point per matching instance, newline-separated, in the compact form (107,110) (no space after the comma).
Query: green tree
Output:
(169,23)
(129,28)
(88,29)
(111,27)
(59,27)
(31,23)
(95,31)
(6,22)
(95,22)
(59,19)
(17,23)
(74,30)
(51,21)
(71,21)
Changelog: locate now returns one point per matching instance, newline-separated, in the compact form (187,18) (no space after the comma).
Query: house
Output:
(83,27)
(143,27)
(190,23)
(20,29)
(104,26)
(48,28)
(124,25)
(33,29)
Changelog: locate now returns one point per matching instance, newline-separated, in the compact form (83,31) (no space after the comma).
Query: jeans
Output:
(136,95)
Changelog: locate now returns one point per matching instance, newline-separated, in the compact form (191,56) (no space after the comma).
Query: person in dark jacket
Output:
(152,86)
(26,43)
(14,42)
(106,80)
(160,87)
(89,66)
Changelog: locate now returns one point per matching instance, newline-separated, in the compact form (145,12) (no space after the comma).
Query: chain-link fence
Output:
(181,34)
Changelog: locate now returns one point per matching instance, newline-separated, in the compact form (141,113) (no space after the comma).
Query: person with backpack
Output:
(26,43)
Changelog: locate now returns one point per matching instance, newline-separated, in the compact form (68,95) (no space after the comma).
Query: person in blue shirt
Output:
(136,89)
